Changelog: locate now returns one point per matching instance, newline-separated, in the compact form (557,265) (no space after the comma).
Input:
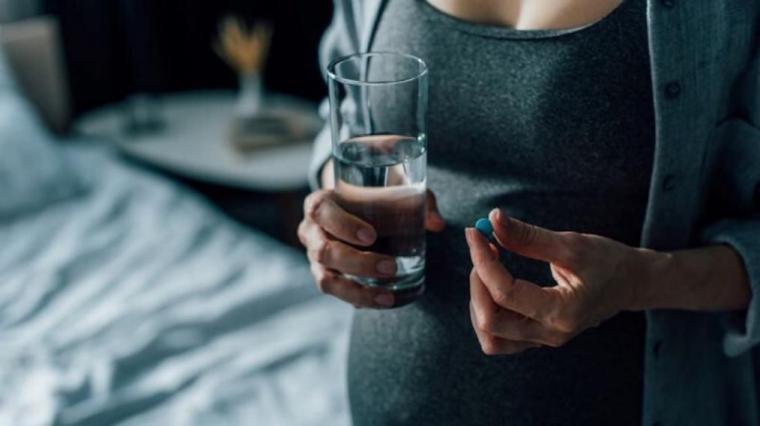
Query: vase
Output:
(250,96)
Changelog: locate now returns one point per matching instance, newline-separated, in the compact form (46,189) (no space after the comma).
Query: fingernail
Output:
(384,299)
(386,266)
(496,214)
(468,235)
(365,235)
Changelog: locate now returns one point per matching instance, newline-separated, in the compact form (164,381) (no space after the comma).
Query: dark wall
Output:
(116,47)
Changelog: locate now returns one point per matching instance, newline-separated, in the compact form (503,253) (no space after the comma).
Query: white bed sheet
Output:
(139,304)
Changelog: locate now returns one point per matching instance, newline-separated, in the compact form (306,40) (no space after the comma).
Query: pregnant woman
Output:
(616,147)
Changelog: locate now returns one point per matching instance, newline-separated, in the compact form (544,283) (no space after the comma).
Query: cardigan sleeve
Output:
(742,330)
(341,38)
(739,186)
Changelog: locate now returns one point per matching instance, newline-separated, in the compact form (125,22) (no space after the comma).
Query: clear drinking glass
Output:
(378,103)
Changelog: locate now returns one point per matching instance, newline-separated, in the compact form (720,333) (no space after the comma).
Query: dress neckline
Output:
(499,31)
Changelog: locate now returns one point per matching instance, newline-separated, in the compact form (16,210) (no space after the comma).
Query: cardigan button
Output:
(668,3)
(669,183)
(672,90)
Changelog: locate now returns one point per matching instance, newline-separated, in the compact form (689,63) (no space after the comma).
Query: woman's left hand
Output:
(596,278)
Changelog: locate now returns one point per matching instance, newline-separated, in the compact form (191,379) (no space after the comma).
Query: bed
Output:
(126,299)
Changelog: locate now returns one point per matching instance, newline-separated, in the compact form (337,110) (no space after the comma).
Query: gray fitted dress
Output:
(557,128)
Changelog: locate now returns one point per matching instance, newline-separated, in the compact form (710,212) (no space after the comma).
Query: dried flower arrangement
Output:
(257,125)
(244,48)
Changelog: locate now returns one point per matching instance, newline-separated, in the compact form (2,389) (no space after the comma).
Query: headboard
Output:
(34,52)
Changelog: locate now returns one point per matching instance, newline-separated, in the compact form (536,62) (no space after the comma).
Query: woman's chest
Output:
(528,14)
(533,106)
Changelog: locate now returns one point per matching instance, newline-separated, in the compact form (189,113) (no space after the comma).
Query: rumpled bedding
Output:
(138,304)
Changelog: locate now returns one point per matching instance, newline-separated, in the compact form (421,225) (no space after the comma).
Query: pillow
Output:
(7,82)
(34,172)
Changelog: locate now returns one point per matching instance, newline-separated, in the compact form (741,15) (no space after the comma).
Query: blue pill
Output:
(484,226)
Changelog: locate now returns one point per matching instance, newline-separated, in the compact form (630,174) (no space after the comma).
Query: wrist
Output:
(650,270)
(704,279)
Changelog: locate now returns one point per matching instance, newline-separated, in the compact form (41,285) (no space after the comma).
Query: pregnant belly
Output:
(422,364)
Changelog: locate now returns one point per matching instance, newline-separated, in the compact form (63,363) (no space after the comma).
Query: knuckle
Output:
(557,340)
(479,262)
(313,203)
(572,239)
(483,322)
(504,295)
(324,283)
(308,203)
(322,251)
(473,274)
(575,248)
(366,260)
(489,346)
(567,323)
(362,300)
(301,232)
(368,299)
(321,279)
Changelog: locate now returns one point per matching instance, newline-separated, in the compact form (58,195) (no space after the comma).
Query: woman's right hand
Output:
(328,232)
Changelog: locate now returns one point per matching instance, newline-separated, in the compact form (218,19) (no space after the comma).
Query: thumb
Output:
(433,219)
(527,240)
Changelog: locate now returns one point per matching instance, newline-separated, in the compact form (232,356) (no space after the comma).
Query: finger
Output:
(528,240)
(494,251)
(491,252)
(339,256)
(483,307)
(332,283)
(321,208)
(506,324)
(433,220)
(493,345)
(348,260)
(513,326)
(517,295)
(519,328)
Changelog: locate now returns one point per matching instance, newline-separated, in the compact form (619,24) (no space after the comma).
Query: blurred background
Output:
(113,50)
(153,159)
(117,47)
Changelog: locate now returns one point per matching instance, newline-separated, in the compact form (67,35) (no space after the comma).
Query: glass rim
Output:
(333,76)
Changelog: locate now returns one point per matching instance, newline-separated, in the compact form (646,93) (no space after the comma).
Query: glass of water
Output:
(378,103)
